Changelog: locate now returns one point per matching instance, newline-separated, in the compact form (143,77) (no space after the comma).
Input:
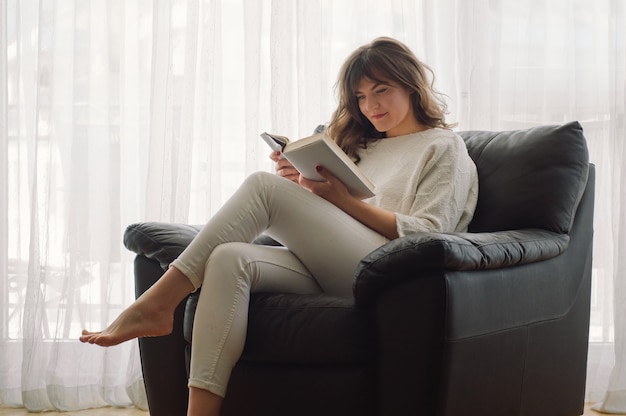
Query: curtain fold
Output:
(126,111)
(614,400)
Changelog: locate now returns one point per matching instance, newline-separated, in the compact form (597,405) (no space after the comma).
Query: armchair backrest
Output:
(530,178)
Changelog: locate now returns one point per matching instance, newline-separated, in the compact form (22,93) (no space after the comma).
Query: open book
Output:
(320,150)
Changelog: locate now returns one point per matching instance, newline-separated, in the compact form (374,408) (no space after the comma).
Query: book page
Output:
(318,152)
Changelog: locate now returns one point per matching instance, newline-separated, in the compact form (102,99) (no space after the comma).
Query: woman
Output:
(390,121)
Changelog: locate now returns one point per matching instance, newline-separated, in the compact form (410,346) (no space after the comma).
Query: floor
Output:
(105,411)
(108,411)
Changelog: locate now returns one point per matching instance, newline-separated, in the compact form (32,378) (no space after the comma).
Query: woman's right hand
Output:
(284,168)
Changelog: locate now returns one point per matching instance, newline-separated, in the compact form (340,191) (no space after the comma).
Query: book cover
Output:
(320,150)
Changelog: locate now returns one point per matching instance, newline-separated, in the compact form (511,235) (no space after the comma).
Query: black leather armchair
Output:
(490,322)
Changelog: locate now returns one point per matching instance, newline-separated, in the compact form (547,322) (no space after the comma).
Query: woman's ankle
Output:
(203,403)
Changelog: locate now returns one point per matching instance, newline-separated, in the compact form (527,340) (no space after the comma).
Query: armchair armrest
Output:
(406,257)
(159,241)
(163,241)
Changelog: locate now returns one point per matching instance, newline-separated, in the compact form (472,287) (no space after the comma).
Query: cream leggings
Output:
(322,247)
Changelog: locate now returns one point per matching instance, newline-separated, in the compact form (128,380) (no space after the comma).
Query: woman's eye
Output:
(360,97)
(382,90)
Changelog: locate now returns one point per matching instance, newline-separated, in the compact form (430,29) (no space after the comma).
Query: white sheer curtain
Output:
(123,111)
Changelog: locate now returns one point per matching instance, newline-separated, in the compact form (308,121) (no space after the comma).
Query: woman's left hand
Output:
(334,191)
(331,189)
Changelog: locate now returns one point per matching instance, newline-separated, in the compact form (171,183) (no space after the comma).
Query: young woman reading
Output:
(391,122)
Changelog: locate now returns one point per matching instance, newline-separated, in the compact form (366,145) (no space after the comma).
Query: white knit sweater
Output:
(426,178)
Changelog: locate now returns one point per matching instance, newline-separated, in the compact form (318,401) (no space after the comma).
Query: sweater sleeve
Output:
(446,191)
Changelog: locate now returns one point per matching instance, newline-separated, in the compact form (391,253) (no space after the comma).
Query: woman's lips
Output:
(378,116)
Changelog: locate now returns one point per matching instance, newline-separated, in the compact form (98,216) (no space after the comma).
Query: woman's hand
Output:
(334,191)
(331,189)
(284,168)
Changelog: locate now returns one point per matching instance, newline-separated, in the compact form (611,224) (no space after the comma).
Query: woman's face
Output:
(387,106)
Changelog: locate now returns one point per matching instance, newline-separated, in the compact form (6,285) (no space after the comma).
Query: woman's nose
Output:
(370,104)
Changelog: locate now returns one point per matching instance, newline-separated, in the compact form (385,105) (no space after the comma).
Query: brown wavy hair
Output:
(383,60)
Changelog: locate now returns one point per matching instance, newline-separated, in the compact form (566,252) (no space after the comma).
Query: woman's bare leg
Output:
(152,314)
(203,403)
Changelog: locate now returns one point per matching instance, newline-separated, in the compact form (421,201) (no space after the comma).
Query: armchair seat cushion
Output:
(302,329)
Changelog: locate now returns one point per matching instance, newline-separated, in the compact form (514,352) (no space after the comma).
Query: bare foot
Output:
(138,320)
(151,315)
